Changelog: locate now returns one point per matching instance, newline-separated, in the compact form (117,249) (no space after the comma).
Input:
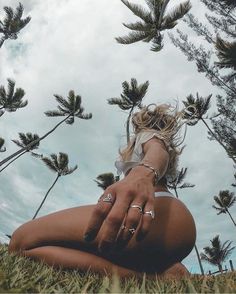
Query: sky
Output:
(68,45)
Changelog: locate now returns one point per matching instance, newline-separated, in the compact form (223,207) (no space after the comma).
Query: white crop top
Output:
(137,155)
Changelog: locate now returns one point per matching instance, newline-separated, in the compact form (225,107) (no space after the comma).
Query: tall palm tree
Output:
(12,23)
(25,140)
(153,22)
(225,200)
(11,99)
(176,183)
(217,253)
(131,97)
(58,164)
(196,108)
(70,108)
(2,141)
(105,180)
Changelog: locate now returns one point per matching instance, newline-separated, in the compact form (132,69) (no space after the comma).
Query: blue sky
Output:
(70,45)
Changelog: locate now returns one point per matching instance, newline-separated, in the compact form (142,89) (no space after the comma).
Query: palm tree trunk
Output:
(199,259)
(220,267)
(209,129)
(176,193)
(127,124)
(45,197)
(231,217)
(13,160)
(32,143)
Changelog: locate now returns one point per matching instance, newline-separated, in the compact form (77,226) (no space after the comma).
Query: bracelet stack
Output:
(156,178)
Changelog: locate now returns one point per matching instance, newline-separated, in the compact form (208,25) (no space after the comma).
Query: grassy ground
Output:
(21,275)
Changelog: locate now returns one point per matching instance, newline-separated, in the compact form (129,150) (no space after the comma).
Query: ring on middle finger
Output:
(137,206)
(132,231)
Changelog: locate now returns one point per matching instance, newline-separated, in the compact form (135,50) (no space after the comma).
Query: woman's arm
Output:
(135,189)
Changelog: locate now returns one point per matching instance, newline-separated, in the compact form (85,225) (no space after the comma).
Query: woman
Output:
(137,225)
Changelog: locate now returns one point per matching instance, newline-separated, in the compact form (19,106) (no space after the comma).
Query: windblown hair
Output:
(167,121)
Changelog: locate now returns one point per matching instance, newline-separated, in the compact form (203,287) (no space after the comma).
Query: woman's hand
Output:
(120,210)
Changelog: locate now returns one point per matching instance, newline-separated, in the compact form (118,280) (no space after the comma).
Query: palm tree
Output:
(225,200)
(105,180)
(58,164)
(195,111)
(217,253)
(153,22)
(70,108)
(176,183)
(12,23)
(11,99)
(2,141)
(130,98)
(226,52)
(25,140)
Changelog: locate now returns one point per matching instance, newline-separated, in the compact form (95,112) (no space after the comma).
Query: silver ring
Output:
(132,231)
(151,213)
(108,198)
(137,206)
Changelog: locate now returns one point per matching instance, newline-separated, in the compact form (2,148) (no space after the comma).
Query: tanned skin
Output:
(156,248)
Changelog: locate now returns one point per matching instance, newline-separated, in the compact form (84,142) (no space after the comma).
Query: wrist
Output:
(143,172)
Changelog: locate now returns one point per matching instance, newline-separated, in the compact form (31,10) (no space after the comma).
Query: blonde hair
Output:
(167,121)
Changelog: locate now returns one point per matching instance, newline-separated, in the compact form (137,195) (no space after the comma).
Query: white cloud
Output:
(70,45)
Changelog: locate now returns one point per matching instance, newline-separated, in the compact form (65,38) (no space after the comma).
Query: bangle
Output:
(156,178)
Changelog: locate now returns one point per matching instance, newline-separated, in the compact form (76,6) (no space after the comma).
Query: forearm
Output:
(156,156)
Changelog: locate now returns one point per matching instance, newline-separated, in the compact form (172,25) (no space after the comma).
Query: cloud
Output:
(70,45)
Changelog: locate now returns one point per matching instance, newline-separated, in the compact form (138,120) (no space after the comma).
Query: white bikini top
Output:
(137,155)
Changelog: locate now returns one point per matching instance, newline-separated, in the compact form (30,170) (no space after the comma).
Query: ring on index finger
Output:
(107,198)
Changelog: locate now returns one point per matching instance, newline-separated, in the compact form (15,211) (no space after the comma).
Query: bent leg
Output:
(69,258)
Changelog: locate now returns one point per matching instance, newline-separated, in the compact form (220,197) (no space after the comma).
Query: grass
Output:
(21,275)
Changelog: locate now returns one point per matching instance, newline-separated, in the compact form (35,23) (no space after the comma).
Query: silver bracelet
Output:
(156,178)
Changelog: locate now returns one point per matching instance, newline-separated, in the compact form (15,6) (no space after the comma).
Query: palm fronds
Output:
(70,107)
(11,100)
(195,108)
(13,23)
(2,141)
(177,181)
(59,164)
(153,22)
(105,180)
(26,140)
(131,96)
(224,200)
(217,253)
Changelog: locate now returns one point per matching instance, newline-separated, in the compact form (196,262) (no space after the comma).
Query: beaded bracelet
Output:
(156,178)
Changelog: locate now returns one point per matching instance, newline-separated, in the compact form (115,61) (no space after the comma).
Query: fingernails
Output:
(88,237)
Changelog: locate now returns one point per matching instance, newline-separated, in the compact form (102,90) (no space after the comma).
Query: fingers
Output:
(112,225)
(133,218)
(147,219)
(100,212)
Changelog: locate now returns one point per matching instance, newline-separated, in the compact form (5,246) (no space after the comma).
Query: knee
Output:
(18,240)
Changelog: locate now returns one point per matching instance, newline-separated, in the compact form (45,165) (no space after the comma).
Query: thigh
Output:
(65,227)
(171,233)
